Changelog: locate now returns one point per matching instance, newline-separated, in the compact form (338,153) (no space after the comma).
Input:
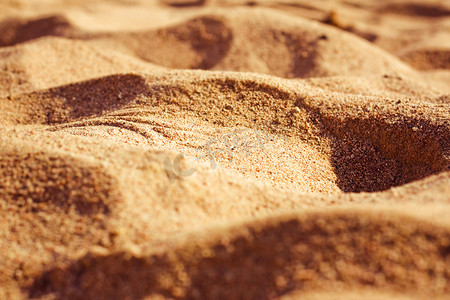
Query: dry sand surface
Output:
(189,149)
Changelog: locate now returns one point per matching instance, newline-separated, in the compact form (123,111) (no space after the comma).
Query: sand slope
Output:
(316,150)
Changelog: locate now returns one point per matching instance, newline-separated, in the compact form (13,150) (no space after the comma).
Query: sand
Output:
(185,149)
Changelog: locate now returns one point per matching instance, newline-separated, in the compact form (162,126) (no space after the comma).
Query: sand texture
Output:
(189,149)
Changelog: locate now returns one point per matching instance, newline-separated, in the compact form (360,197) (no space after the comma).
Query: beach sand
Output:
(183,149)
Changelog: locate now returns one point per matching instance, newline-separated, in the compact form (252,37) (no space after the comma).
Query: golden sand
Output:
(190,149)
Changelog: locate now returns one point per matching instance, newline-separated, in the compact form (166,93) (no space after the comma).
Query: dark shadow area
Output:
(210,37)
(371,155)
(71,102)
(184,3)
(207,37)
(303,54)
(97,96)
(369,36)
(17,31)
(415,9)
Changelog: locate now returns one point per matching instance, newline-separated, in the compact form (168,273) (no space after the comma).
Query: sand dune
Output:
(273,257)
(271,43)
(50,61)
(224,150)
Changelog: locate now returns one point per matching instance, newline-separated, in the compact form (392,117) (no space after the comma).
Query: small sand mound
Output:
(71,102)
(50,62)
(47,197)
(271,258)
(33,178)
(366,153)
(270,43)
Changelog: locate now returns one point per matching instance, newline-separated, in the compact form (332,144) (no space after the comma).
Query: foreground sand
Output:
(315,157)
